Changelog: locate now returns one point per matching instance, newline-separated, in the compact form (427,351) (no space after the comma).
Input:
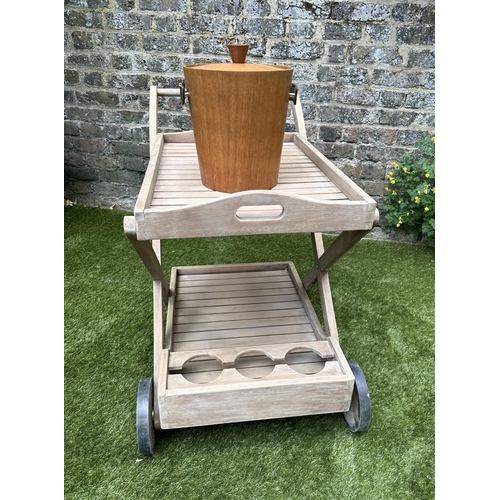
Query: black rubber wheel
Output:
(144,417)
(360,413)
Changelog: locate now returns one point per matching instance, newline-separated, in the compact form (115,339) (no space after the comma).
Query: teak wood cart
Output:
(242,342)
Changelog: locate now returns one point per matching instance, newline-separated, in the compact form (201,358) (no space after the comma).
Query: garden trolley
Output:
(242,342)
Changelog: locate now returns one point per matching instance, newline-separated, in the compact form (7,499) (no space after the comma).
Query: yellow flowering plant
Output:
(409,204)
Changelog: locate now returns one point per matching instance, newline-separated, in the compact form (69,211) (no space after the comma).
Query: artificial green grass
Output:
(384,306)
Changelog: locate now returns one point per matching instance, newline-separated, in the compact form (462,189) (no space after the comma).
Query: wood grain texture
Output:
(238,113)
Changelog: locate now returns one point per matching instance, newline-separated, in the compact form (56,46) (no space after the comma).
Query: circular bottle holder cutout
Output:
(201,369)
(255,364)
(304,360)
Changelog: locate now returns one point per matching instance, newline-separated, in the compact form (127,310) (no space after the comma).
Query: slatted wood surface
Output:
(179,181)
(238,309)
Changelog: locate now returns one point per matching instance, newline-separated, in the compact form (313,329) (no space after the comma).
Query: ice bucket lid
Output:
(246,68)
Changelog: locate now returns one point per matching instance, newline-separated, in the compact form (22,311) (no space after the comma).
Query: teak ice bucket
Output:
(239,114)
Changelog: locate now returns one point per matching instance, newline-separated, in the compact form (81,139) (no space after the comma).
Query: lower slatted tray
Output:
(246,344)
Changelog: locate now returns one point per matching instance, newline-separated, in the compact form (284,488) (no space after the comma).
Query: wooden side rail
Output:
(339,247)
(147,253)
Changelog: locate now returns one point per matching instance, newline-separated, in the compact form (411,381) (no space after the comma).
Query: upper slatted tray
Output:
(179,181)
(312,195)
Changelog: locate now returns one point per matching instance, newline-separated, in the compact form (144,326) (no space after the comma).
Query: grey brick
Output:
(130,178)
(349,75)
(412,13)
(80,172)
(301,29)
(118,41)
(336,53)
(260,27)
(85,114)
(91,4)
(71,128)
(258,8)
(128,21)
(167,24)
(392,99)
(121,61)
(94,79)
(410,137)
(356,95)
(369,135)
(303,71)
(83,19)
(375,55)
(125,81)
(297,50)
(168,43)
(125,4)
(98,97)
(129,148)
(364,170)
(396,118)
(420,100)
(69,97)
(430,81)
(96,130)
(71,76)
(135,164)
(303,9)
(315,92)
(89,145)
(336,150)
(342,31)
(157,63)
(82,40)
(415,35)
(163,5)
(228,8)
(373,153)
(337,114)
(395,78)
(347,11)
(378,33)
(210,45)
(202,24)
(329,133)
(426,120)
(421,59)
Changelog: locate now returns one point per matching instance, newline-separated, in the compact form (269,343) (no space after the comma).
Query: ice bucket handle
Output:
(294,91)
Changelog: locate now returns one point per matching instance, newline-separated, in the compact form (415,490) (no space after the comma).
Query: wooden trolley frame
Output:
(242,341)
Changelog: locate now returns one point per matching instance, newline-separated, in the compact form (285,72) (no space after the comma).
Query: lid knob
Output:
(238,52)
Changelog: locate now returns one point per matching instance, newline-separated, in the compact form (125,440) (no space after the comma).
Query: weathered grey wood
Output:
(347,186)
(179,137)
(146,253)
(153,117)
(242,304)
(325,292)
(242,341)
(339,247)
(171,310)
(148,184)
(298,117)
(235,398)
(271,335)
(158,331)
(316,190)
(299,215)
(276,352)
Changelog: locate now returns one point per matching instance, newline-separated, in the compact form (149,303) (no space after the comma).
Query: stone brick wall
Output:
(365,73)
